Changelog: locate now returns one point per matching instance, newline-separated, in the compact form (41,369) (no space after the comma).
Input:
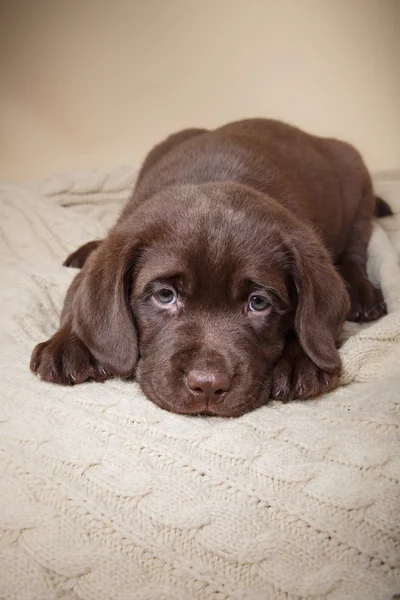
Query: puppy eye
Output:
(258,303)
(165,296)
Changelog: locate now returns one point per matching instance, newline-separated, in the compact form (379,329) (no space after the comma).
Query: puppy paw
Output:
(64,359)
(367,303)
(295,376)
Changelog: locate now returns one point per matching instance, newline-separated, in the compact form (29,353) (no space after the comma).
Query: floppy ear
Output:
(322,303)
(102,317)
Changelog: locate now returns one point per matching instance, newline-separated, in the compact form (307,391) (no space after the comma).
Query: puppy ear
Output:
(322,300)
(102,317)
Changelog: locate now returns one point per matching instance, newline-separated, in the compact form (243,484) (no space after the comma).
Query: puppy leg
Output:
(296,376)
(78,258)
(367,303)
(64,358)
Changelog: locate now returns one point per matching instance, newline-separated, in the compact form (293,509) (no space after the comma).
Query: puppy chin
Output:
(228,407)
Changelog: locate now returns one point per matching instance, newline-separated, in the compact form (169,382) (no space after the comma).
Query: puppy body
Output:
(219,285)
(322,181)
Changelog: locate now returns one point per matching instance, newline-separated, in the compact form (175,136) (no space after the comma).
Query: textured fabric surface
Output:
(105,496)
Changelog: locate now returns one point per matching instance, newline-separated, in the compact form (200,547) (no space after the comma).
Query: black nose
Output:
(208,385)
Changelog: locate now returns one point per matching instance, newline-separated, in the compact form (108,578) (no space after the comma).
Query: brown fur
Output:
(255,207)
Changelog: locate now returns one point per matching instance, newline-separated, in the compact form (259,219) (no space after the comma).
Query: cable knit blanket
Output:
(104,496)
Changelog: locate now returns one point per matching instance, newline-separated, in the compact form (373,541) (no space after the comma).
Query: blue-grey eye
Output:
(165,296)
(258,303)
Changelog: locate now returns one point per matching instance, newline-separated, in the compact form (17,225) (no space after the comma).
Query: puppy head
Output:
(196,293)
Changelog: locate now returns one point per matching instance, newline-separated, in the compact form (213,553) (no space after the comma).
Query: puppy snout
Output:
(208,386)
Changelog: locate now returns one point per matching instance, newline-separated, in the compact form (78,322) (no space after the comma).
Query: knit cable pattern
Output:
(104,496)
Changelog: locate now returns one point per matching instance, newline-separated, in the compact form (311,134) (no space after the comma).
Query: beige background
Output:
(91,82)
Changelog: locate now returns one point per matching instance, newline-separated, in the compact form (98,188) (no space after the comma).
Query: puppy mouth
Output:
(224,411)
(207,411)
(227,406)
(175,399)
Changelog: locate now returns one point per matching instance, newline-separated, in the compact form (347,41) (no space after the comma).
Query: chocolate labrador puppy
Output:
(229,274)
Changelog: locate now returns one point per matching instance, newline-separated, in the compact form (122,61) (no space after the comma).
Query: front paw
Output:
(296,376)
(64,359)
(367,303)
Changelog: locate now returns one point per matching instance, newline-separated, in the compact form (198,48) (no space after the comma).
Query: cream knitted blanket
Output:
(104,496)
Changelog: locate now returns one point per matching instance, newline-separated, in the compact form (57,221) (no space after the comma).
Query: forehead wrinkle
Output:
(270,281)
(264,264)
(157,264)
